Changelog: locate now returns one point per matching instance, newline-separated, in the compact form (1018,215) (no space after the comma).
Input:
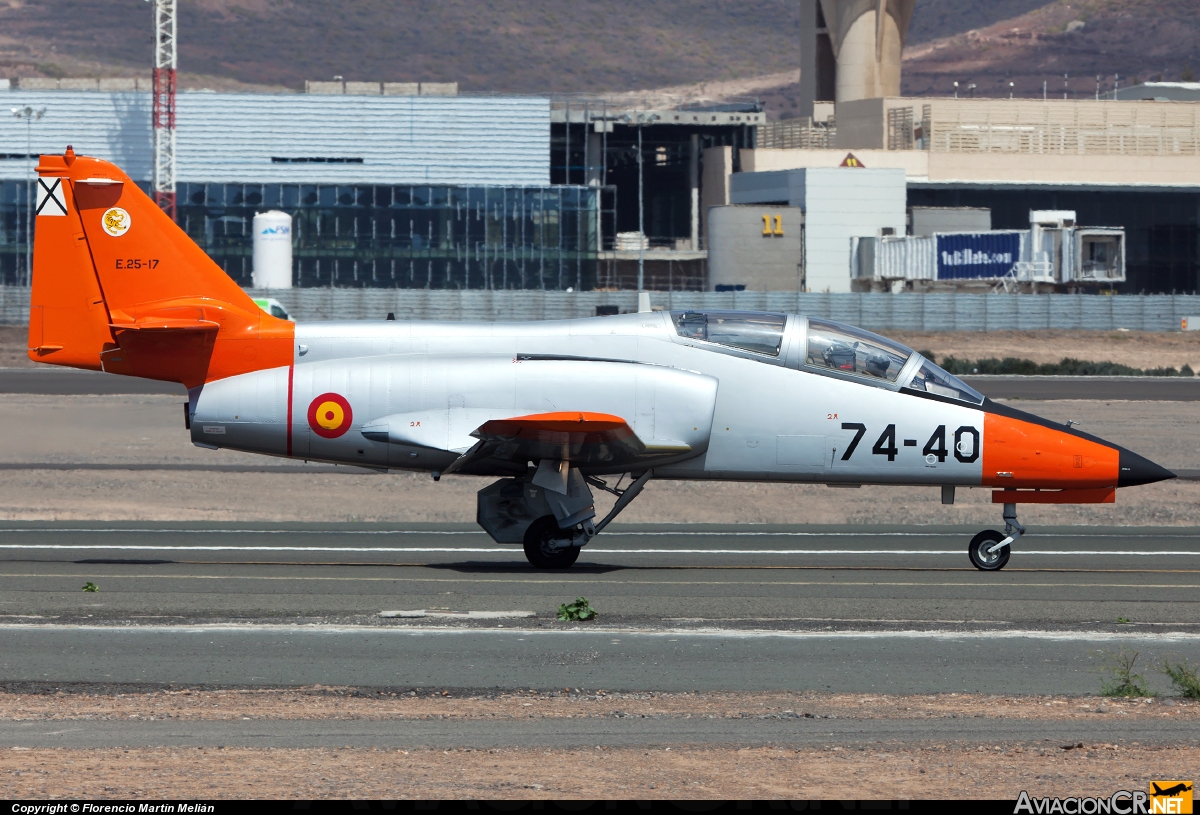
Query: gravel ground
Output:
(13,345)
(930,770)
(115,702)
(408,498)
(920,770)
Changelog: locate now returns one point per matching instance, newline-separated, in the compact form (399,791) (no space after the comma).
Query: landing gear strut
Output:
(551,514)
(989,550)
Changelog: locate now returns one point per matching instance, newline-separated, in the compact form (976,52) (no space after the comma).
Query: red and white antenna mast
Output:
(165,62)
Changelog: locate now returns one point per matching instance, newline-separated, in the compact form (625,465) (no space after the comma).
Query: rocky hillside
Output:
(531,46)
(1133,39)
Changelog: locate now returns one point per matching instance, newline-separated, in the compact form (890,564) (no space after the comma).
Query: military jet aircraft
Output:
(553,409)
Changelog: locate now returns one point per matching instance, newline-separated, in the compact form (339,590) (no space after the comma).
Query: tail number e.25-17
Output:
(965,447)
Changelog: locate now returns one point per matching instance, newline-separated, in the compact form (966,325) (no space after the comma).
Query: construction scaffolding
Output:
(1064,127)
(798,134)
(165,63)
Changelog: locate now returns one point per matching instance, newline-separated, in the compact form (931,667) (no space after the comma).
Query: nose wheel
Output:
(989,550)
(981,554)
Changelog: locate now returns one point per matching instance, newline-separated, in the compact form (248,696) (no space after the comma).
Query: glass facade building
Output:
(437,237)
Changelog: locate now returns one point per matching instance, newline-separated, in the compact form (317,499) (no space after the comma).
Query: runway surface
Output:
(681,608)
(571,733)
(62,382)
(55,381)
(637,575)
(946,661)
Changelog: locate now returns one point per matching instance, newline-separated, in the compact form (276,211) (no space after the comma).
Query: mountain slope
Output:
(1135,39)
(502,45)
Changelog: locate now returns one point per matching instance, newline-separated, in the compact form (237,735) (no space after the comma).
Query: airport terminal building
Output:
(388,186)
(401,185)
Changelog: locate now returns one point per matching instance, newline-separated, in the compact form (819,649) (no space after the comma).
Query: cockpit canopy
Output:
(829,345)
(846,348)
(759,332)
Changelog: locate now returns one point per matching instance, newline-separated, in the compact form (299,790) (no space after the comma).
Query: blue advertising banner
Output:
(977,255)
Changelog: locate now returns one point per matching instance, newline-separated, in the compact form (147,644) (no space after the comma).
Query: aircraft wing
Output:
(580,437)
(616,416)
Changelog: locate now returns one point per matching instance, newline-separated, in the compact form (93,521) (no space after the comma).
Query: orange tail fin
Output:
(117,286)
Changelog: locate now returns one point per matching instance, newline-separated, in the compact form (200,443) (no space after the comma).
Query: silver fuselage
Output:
(736,415)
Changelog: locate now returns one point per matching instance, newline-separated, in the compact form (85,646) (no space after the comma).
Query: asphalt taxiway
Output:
(745,608)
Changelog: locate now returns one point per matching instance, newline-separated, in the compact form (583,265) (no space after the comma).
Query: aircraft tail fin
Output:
(118,286)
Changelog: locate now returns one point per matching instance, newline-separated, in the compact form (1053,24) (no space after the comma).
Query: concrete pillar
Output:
(595,161)
(694,184)
(718,166)
(866,38)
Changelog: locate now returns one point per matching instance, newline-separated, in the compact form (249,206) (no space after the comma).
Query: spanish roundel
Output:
(329,415)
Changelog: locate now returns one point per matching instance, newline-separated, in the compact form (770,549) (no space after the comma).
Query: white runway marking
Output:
(722,633)
(509,550)
(614,533)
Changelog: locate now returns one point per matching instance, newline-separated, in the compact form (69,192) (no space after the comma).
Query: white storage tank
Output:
(272,250)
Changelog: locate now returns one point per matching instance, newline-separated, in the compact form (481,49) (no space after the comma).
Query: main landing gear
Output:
(550,514)
(989,550)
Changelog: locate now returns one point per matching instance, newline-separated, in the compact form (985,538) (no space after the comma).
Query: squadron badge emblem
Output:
(115,222)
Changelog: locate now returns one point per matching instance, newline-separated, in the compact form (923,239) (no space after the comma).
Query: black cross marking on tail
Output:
(51,193)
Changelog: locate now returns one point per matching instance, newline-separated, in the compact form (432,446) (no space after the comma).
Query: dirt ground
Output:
(1140,349)
(931,770)
(334,703)
(922,770)
(122,495)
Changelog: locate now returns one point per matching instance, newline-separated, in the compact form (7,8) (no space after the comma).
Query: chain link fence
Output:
(876,311)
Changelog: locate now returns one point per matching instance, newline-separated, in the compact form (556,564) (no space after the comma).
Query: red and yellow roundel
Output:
(329,415)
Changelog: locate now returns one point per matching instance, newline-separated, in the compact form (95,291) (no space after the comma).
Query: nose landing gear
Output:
(989,550)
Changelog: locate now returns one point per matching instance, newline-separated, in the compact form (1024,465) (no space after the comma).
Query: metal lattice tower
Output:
(165,62)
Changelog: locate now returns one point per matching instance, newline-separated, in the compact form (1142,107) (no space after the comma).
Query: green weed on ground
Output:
(1066,367)
(578,611)
(1184,677)
(1124,681)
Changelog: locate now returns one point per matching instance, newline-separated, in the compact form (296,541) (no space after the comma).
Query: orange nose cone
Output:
(1023,450)
(1020,453)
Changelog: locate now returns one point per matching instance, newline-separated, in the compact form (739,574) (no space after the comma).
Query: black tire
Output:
(538,539)
(980,557)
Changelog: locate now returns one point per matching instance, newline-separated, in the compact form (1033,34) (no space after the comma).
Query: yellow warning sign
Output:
(851,160)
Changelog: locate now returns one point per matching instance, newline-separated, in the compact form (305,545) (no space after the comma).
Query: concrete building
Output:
(756,248)
(1158,92)
(838,203)
(1130,164)
(596,140)
(404,184)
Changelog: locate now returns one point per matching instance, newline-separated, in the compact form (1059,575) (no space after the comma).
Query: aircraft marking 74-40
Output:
(553,409)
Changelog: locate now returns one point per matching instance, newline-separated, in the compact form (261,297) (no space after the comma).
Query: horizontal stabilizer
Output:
(166,324)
